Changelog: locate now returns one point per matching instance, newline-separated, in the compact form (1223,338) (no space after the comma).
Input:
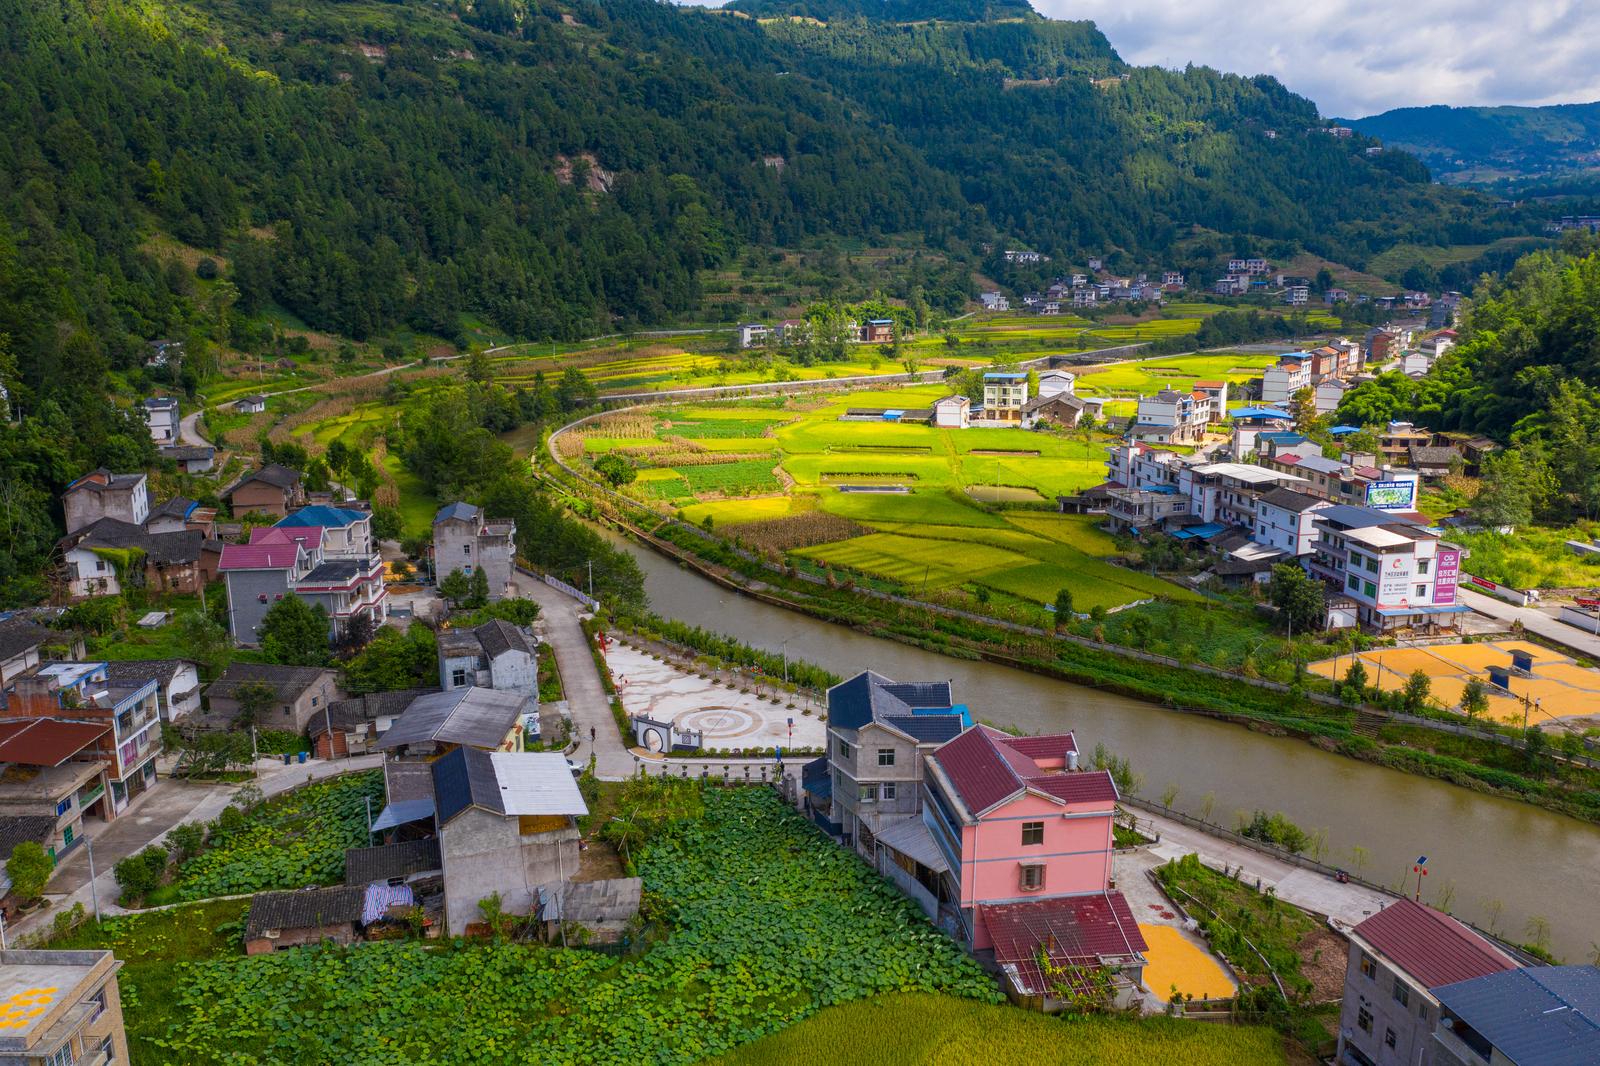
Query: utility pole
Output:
(255,755)
(94,893)
(784,651)
(590,564)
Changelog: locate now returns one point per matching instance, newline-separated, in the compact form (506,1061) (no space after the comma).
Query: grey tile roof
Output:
(498,636)
(17,635)
(138,671)
(927,728)
(407,779)
(289,681)
(458,511)
(1290,500)
(19,828)
(177,507)
(305,908)
(163,549)
(478,717)
(365,865)
(868,696)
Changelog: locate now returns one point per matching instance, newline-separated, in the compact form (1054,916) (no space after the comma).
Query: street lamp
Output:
(94,892)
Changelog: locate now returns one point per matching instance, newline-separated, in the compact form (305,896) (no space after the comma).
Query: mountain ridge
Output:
(1483,144)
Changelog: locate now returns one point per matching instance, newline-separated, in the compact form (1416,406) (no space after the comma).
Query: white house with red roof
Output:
(1027,839)
(1397,958)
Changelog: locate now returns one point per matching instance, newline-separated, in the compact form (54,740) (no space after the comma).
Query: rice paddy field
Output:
(1123,383)
(934,1030)
(919,508)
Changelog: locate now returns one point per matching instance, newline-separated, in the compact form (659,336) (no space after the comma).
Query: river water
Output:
(1505,862)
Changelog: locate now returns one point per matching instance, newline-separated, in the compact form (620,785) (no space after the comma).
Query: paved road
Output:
(1349,903)
(1533,621)
(150,819)
(580,680)
(189,432)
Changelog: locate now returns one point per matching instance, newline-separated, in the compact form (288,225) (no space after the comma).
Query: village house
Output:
(61,1008)
(346,532)
(1061,409)
(1398,957)
(1284,379)
(1226,494)
(1232,285)
(190,458)
(995,301)
(52,776)
(177,683)
(1251,424)
(162,416)
(1434,461)
(1085,297)
(1533,1016)
(1396,440)
(299,692)
(878,733)
(1172,280)
(75,705)
(1004,397)
(952,412)
(1399,574)
(253,404)
(289,561)
(464,539)
(463,717)
(1352,478)
(1056,382)
(753,334)
(1134,510)
(24,644)
(1171,417)
(494,655)
(111,555)
(1335,296)
(352,726)
(792,331)
(507,825)
(102,494)
(1026,839)
(1286,521)
(179,514)
(1297,295)
(878,331)
(272,490)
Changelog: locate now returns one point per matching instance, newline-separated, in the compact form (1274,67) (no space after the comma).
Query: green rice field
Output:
(1123,383)
(921,508)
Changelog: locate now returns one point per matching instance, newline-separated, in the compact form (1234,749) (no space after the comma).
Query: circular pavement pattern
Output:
(719,722)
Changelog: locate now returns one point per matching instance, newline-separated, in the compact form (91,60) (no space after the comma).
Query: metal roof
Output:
(927,728)
(321,516)
(910,837)
(614,899)
(479,717)
(1080,929)
(46,741)
(870,696)
(987,769)
(364,865)
(458,511)
(397,814)
(1540,1016)
(1433,948)
(504,782)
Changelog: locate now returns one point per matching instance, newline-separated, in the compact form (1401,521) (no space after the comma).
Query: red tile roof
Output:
(258,556)
(1434,948)
(988,767)
(1051,746)
(310,536)
(1080,929)
(1095,787)
(45,741)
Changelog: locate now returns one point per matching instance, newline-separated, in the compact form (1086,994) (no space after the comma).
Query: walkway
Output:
(1533,621)
(580,680)
(149,820)
(1308,889)
(189,432)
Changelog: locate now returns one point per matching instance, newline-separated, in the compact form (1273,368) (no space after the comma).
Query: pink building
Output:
(1027,838)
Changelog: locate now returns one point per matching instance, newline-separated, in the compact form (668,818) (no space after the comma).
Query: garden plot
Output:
(729,720)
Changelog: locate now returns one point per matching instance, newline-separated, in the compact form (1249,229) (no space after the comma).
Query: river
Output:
(1505,862)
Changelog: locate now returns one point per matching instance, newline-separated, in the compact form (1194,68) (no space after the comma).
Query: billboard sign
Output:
(1446,575)
(1394,582)
(1392,495)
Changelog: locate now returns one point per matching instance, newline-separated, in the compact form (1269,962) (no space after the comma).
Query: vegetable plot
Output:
(289,841)
(770,923)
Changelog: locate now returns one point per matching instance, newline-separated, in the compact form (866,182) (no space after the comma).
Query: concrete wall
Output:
(1412,1023)
(86,506)
(483,854)
(449,665)
(91,575)
(339,933)
(455,547)
(259,497)
(245,609)
(513,671)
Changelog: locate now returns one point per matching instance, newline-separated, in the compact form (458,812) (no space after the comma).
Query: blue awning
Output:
(1339,431)
(1205,532)
(398,814)
(1444,608)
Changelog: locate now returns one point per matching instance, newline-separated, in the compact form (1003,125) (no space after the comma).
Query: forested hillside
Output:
(1489,143)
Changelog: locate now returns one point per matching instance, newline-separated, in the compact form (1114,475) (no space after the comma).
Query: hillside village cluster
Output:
(1006,843)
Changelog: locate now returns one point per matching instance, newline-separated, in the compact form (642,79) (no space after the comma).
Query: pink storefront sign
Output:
(1446,575)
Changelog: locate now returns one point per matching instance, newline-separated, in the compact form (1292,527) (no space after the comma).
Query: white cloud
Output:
(1358,57)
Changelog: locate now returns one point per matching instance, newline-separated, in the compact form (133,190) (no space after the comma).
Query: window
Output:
(1422,565)
(1369,967)
(261,598)
(1388,1038)
(885,756)
(1422,1011)
(842,749)
(286,711)
(1353,584)
(66,836)
(1402,993)
(869,793)
(1364,1020)
(1422,591)
(315,700)
(64,806)
(886,791)
(1371,590)
(99,1001)
(466,549)
(1032,833)
(1032,878)
(108,1048)
(62,1057)
(458,677)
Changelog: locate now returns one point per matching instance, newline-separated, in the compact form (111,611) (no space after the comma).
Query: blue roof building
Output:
(1539,1016)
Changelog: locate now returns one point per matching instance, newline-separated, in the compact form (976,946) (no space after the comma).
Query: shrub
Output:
(29,869)
(186,840)
(140,873)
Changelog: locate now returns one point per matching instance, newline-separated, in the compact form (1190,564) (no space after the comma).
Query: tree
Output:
(615,469)
(205,641)
(1414,697)
(478,593)
(1300,597)
(1355,682)
(295,633)
(1304,408)
(1474,700)
(455,587)
(255,699)
(29,869)
(1506,497)
(392,661)
(479,368)
(1064,613)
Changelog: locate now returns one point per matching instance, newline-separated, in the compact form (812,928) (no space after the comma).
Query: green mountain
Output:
(888,10)
(1483,144)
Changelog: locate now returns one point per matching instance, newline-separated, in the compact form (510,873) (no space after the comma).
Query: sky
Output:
(1358,57)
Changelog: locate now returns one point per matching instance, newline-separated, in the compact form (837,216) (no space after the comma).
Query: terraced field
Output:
(929,510)
(1123,383)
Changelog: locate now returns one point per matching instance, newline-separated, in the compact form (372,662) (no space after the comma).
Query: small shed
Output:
(304,916)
